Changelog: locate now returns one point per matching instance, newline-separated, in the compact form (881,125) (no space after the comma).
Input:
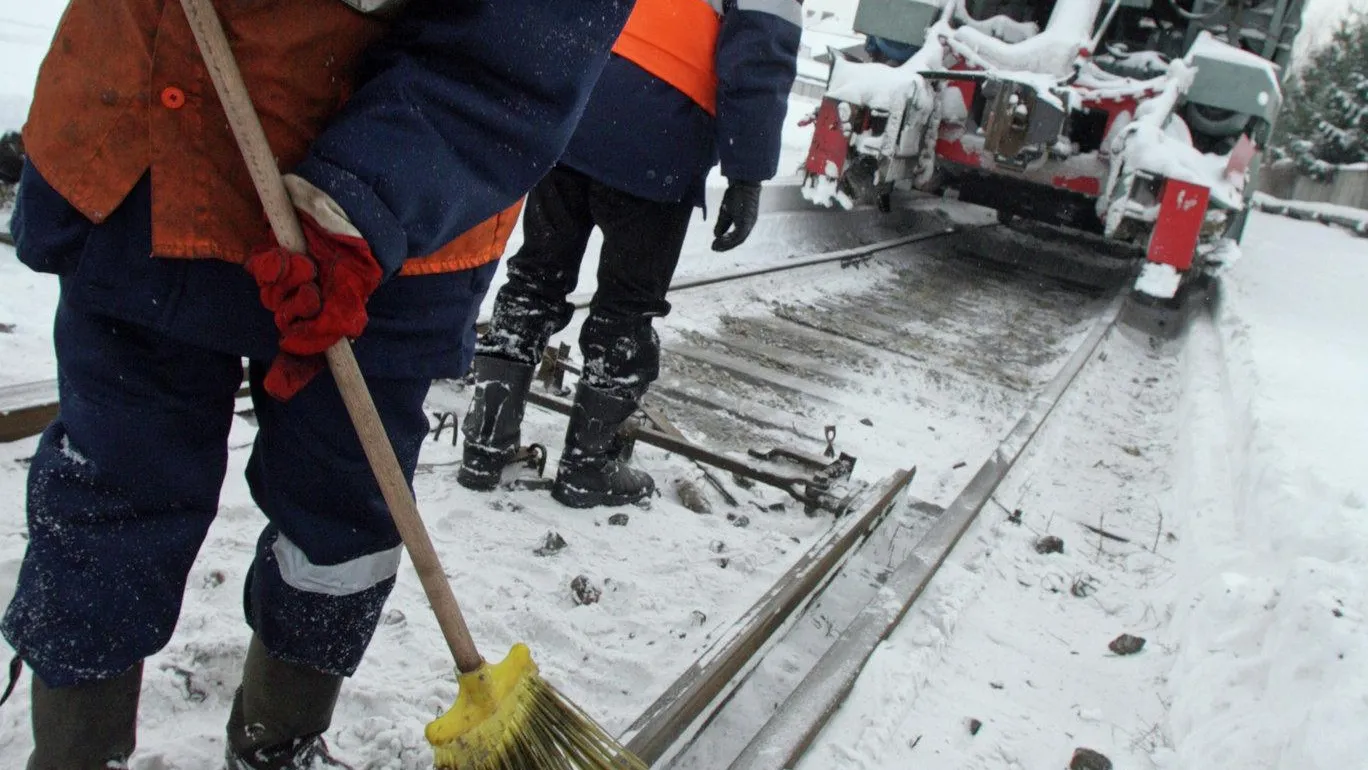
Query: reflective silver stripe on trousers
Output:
(788,10)
(343,579)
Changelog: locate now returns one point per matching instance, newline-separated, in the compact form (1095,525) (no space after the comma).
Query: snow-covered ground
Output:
(1232,466)
(1272,594)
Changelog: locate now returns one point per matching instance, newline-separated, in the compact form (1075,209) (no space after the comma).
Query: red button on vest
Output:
(172,98)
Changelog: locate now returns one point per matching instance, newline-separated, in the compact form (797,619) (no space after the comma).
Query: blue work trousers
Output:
(126,482)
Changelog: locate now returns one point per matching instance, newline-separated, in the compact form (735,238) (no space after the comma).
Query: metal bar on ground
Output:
(663,424)
(783,740)
(800,488)
(706,682)
(26,409)
(820,259)
(831,256)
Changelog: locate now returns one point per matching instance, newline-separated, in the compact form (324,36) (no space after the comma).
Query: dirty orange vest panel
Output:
(480,245)
(675,40)
(123,90)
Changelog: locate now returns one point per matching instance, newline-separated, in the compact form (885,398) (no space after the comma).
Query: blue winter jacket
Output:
(460,109)
(641,135)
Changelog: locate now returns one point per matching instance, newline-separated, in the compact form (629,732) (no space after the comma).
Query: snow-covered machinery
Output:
(1141,120)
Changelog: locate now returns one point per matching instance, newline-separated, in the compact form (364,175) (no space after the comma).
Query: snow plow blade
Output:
(1164,320)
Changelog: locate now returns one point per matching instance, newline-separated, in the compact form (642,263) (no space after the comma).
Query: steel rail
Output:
(718,669)
(831,256)
(840,255)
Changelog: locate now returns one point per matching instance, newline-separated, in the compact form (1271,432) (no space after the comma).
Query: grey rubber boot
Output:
(591,472)
(492,424)
(279,715)
(91,726)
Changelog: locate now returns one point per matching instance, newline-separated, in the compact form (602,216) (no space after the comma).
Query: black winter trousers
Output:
(641,244)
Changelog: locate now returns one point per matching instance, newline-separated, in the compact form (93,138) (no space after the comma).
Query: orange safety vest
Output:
(675,40)
(123,91)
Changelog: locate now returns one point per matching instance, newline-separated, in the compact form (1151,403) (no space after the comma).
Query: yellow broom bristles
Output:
(506,717)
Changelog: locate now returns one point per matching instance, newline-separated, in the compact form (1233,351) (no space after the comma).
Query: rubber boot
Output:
(590,472)
(279,715)
(91,726)
(493,421)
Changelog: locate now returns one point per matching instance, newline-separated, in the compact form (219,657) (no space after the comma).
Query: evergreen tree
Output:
(1324,119)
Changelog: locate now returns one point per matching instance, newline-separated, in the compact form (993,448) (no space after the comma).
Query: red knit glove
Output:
(317,298)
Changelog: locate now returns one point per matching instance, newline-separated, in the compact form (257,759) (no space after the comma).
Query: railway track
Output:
(26,408)
(959,332)
(927,320)
(790,730)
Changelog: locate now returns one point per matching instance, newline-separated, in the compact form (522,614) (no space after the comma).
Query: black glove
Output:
(736,218)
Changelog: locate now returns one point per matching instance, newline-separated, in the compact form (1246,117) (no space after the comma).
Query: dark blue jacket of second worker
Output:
(642,136)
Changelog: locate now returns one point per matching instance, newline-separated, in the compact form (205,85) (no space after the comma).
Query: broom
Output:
(506,717)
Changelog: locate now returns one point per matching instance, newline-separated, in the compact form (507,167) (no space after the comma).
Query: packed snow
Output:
(875,85)
(1050,53)
(1158,280)
(1269,602)
(1210,499)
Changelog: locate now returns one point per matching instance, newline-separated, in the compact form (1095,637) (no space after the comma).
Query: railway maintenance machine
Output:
(1142,121)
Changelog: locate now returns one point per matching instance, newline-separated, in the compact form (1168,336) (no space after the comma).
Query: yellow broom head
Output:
(506,717)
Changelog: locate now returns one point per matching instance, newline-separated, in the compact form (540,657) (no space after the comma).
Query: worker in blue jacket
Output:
(135,195)
(690,82)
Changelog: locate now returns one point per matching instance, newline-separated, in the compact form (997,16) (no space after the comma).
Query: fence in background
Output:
(1349,187)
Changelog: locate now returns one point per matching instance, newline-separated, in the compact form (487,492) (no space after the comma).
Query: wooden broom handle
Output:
(251,139)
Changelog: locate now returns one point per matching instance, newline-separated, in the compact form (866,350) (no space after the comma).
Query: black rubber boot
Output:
(492,423)
(90,726)
(591,472)
(279,715)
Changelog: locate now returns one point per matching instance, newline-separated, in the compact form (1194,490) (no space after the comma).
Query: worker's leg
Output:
(121,492)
